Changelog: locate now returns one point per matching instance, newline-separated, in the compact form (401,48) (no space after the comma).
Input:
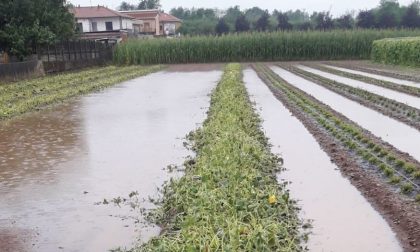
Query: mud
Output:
(390,94)
(342,218)
(400,135)
(401,214)
(56,164)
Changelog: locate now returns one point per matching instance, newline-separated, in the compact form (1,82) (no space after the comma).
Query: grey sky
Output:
(336,7)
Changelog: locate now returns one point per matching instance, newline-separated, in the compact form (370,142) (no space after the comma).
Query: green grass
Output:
(20,97)
(401,51)
(229,198)
(277,46)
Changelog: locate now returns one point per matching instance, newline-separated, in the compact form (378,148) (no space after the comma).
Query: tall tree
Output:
(222,27)
(322,20)
(411,17)
(124,6)
(149,4)
(242,24)
(344,22)
(283,22)
(388,14)
(27,23)
(365,19)
(263,22)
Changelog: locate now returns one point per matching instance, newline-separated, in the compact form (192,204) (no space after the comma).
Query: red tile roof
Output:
(96,12)
(151,14)
(163,17)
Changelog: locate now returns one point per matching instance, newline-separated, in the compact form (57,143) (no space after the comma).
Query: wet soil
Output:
(342,218)
(56,164)
(401,214)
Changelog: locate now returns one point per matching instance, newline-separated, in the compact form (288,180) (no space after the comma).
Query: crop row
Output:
(399,51)
(415,91)
(276,46)
(388,107)
(17,99)
(358,142)
(229,198)
(404,74)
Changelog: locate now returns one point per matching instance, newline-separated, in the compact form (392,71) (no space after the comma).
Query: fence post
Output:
(48,52)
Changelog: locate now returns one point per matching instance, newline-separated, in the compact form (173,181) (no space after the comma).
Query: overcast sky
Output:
(336,7)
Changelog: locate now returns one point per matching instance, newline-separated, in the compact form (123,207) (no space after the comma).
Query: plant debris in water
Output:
(229,198)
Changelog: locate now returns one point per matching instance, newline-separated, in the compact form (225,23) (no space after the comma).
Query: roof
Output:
(96,12)
(151,14)
(164,17)
(142,14)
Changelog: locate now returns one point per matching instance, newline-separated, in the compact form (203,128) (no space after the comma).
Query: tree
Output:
(262,22)
(344,22)
(24,24)
(365,19)
(232,14)
(241,24)
(124,6)
(283,22)
(222,27)
(411,17)
(149,4)
(322,20)
(388,14)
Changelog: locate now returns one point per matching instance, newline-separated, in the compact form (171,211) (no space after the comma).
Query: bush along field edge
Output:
(229,198)
(397,51)
(388,178)
(20,97)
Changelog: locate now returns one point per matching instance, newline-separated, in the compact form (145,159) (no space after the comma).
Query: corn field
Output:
(401,51)
(278,46)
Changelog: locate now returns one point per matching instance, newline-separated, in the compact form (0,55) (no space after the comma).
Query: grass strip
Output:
(229,198)
(46,91)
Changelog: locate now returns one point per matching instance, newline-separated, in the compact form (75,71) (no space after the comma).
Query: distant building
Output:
(153,22)
(101,23)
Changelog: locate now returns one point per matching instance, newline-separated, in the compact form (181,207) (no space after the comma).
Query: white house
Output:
(100,22)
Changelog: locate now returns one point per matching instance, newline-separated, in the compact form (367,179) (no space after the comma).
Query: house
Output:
(101,23)
(153,22)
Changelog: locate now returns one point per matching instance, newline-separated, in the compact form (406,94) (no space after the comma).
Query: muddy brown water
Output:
(400,135)
(377,76)
(55,164)
(342,218)
(388,93)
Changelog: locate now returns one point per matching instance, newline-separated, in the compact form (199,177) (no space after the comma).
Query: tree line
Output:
(388,14)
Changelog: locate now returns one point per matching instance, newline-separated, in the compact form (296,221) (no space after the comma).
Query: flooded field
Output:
(377,76)
(391,94)
(342,218)
(401,136)
(56,164)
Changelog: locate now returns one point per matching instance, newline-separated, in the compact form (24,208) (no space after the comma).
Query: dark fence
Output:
(20,70)
(75,50)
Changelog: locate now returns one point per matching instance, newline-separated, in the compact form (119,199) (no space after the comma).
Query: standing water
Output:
(55,164)
(342,218)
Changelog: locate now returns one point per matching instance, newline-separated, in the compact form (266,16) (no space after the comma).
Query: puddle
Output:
(54,165)
(342,218)
(377,76)
(400,135)
(388,93)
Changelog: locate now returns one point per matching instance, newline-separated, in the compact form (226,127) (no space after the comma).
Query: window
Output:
(79,27)
(108,26)
(94,26)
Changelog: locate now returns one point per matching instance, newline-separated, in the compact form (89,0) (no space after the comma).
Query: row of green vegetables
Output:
(398,110)
(397,51)
(229,198)
(373,152)
(20,97)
